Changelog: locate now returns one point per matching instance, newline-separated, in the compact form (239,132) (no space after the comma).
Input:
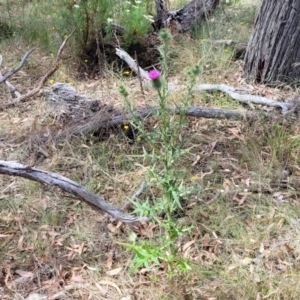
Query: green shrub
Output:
(90,18)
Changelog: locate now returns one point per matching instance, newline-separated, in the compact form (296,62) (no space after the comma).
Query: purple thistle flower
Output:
(154,74)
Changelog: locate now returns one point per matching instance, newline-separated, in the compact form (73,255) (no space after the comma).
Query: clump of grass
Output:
(274,151)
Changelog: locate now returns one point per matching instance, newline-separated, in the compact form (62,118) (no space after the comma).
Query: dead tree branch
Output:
(70,186)
(12,72)
(42,80)
(132,64)
(244,98)
(13,91)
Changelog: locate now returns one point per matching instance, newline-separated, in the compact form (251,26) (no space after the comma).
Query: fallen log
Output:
(104,120)
(97,202)
(99,116)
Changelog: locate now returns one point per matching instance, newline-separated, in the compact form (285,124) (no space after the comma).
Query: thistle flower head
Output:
(154,74)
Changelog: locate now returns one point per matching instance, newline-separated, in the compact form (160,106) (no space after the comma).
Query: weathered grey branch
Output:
(53,179)
(244,98)
(42,80)
(11,88)
(12,72)
(131,63)
(140,191)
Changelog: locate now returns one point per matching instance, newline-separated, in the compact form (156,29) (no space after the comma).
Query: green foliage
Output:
(135,20)
(92,20)
(6,30)
(6,21)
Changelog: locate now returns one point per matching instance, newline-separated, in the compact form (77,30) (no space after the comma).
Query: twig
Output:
(139,74)
(42,80)
(10,73)
(54,179)
(98,50)
(139,191)
(11,88)
(215,197)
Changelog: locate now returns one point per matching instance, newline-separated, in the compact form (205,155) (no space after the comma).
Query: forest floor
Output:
(245,237)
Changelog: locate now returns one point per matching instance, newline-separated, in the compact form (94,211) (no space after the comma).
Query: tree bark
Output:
(273,52)
(161,14)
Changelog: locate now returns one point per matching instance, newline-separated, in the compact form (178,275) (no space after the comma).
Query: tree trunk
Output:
(273,52)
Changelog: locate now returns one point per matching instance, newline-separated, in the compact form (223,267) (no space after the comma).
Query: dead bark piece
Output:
(15,169)
(63,98)
(213,113)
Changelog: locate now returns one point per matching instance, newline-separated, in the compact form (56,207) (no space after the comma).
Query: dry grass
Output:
(245,241)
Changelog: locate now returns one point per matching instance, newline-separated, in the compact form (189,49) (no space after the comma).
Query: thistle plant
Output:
(162,154)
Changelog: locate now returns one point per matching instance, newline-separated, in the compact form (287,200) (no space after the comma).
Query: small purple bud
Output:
(154,74)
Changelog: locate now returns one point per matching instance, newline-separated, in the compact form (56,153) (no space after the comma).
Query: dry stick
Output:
(53,179)
(139,74)
(140,191)
(11,88)
(135,196)
(98,50)
(42,80)
(12,72)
